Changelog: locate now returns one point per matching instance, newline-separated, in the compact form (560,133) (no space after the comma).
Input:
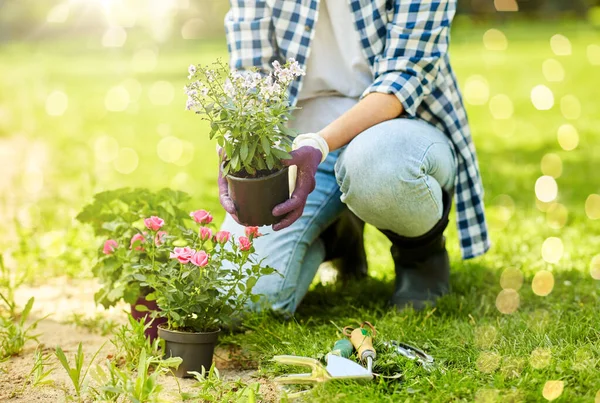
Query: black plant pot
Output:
(195,349)
(255,198)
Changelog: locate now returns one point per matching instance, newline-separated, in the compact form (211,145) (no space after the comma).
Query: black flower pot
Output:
(255,198)
(195,349)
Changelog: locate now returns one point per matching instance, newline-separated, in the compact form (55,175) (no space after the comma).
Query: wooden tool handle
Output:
(363,343)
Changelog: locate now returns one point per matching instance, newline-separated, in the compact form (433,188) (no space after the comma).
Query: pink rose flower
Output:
(158,239)
(245,243)
(222,237)
(136,241)
(154,223)
(184,255)
(200,258)
(205,233)
(252,232)
(201,217)
(109,246)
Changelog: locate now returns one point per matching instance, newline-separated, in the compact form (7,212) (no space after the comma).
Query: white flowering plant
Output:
(248,112)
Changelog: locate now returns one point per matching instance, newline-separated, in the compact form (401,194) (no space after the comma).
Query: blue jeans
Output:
(391,176)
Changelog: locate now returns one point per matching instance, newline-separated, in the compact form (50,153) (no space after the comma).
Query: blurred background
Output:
(91,99)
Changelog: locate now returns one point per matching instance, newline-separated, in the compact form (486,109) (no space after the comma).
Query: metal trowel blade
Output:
(343,368)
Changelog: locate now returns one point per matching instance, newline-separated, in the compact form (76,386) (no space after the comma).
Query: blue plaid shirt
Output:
(406,44)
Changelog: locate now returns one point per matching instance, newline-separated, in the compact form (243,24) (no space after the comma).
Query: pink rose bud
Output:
(158,239)
(154,223)
(205,233)
(245,243)
(137,240)
(109,246)
(201,217)
(252,232)
(222,237)
(184,255)
(200,258)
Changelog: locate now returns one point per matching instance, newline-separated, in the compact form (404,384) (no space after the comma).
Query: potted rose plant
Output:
(134,241)
(248,112)
(205,286)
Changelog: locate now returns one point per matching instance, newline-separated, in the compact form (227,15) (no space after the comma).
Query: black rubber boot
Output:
(344,246)
(422,265)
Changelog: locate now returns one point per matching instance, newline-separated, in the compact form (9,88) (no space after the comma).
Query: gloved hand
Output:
(309,151)
(224,198)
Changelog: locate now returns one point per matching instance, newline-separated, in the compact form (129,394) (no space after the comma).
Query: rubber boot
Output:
(422,265)
(344,246)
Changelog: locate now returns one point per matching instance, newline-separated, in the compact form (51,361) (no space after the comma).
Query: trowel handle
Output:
(363,342)
(343,348)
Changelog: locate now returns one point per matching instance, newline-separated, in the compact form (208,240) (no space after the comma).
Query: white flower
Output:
(191,71)
(229,88)
(190,104)
(210,75)
(295,68)
(204,91)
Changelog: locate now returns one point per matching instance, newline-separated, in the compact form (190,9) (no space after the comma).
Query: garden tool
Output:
(412,353)
(362,340)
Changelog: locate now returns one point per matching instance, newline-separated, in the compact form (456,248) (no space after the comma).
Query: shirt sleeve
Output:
(250,35)
(417,38)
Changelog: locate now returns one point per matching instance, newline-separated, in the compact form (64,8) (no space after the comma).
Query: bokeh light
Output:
(477,90)
(161,93)
(538,319)
(163,129)
(53,243)
(486,396)
(501,209)
(114,37)
(508,301)
(552,249)
(561,45)
(546,189)
(584,360)
(58,14)
(595,267)
(144,60)
(133,87)
(511,278)
(540,358)
(553,389)
(116,99)
(593,54)
(512,367)
(570,107)
(501,107)
(543,283)
(568,137)
(597,399)
(488,361)
(192,29)
(592,206)
(28,215)
(187,154)
(494,39)
(33,180)
(169,149)
(557,216)
(485,336)
(57,103)
(553,71)
(182,181)
(106,148)
(506,5)
(127,161)
(542,98)
(551,165)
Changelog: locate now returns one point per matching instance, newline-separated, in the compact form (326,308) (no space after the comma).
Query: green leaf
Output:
(251,282)
(266,146)
(244,151)
(142,308)
(282,155)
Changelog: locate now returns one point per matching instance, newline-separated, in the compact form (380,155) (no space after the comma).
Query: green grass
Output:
(44,238)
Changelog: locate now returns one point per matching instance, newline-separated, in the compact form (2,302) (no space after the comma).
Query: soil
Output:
(59,299)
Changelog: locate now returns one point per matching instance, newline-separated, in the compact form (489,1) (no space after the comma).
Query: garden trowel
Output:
(337,368)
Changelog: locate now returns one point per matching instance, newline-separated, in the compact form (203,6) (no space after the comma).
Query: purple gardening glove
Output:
(224,198)
(307,159)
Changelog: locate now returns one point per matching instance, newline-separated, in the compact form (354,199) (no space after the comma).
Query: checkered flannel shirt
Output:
(406,44)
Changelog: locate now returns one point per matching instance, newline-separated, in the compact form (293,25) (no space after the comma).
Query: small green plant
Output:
(38,376)
(77,374)
(14,333)
(130,341)
(9,282)
(212,388)
(96,324)
(116,385)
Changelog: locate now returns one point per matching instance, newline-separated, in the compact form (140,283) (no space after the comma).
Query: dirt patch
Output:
(61,298)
